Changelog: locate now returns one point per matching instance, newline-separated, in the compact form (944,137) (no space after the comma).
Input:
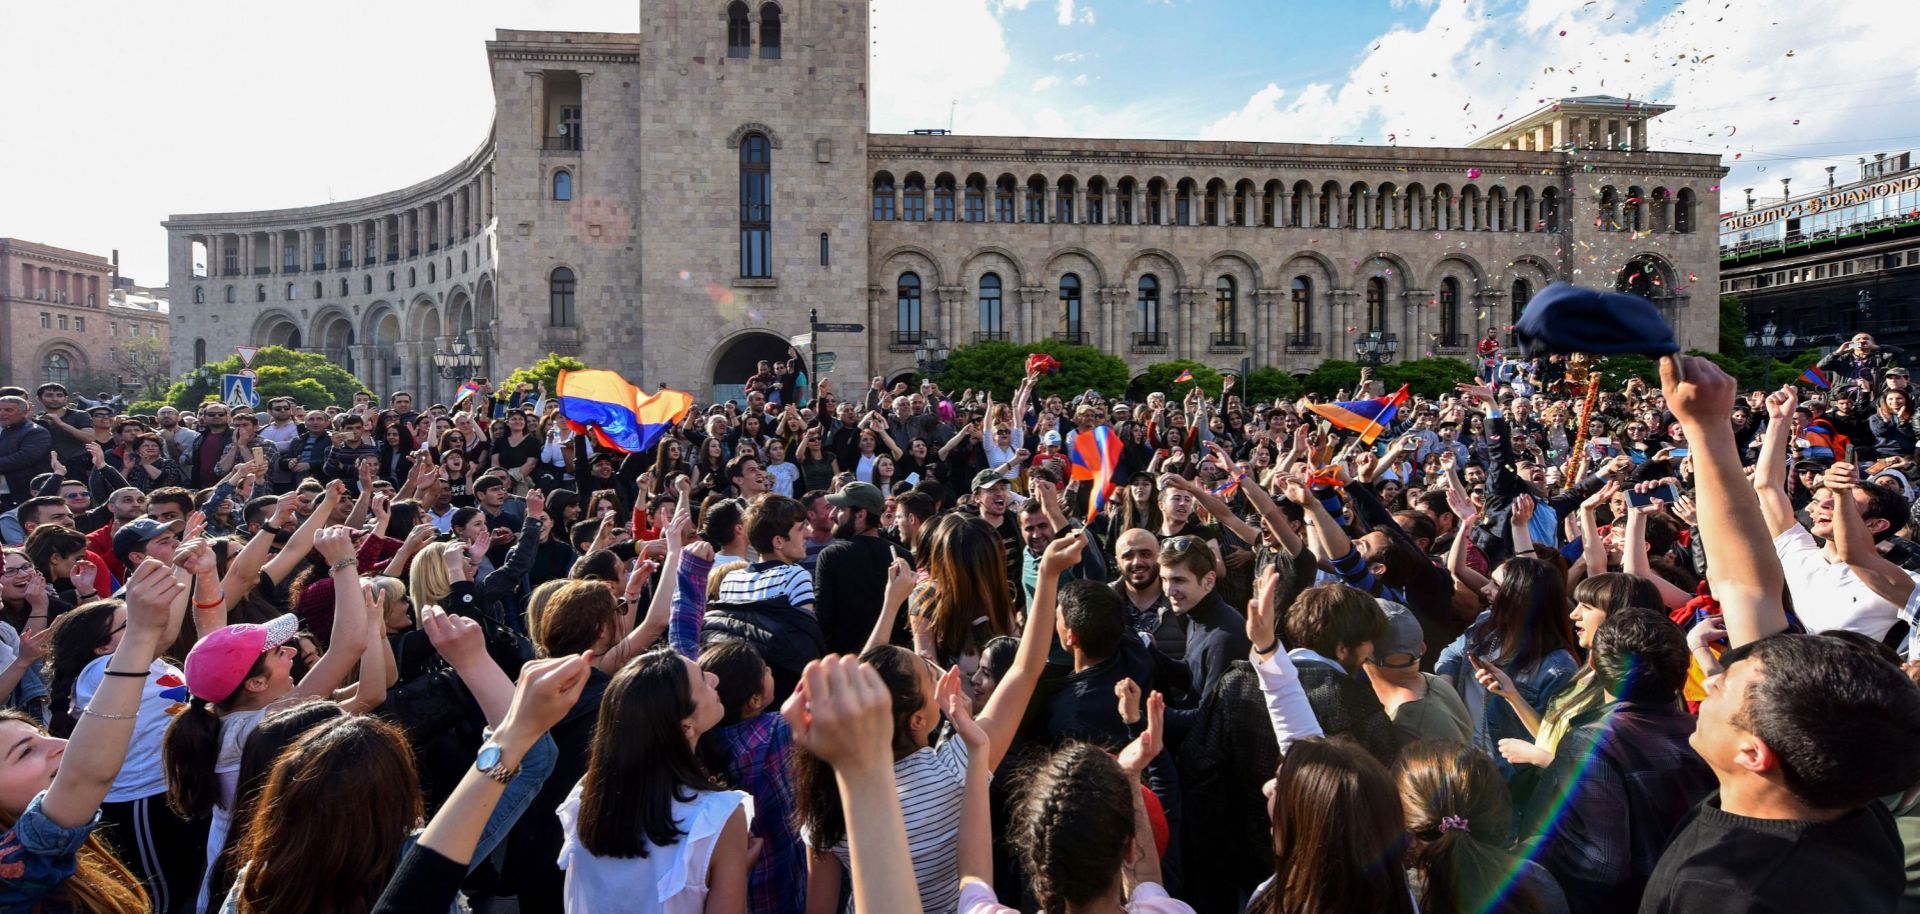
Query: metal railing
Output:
(908,337)
(1142,340)
(1076,337)
(1303,342)
(1229,341)
(991,336)
(568,143)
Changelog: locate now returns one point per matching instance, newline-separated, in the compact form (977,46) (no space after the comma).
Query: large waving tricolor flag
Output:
(1817,378)
(1186,374)
(604,405)
(1368,417)
(1096,456)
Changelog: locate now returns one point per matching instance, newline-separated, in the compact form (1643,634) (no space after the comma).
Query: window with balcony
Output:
(1376,304)
(906,309)
(991,327)
(1070,311)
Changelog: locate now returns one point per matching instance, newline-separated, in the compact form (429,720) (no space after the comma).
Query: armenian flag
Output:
(1817,378)
(1186,374)
(468,389)
(1096,456)
(614,413)
(1368,417)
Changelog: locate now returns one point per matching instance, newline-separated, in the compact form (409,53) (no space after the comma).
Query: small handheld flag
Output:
(468,389)
(1096,456)
(1817,378)
(1186,374)
(1368,417)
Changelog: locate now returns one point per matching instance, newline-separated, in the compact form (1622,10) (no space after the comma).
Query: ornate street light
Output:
(458,360)
(930,356)
(1768,344)
(1374,348)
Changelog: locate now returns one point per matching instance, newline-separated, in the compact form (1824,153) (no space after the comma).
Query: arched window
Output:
(1063,202)
(1634,204)
(1123,211)
(883,197)
(463,261)
(1450,313)
(391,285)
(906,303)
(756,206)
(990,319)
(769,31)
(57,368)
(739,31)
(413,277)
(366,284)
(199,295)
(293,292)
(1521,294)
(1609,218)
(1097,201)
(260,292)
(1226,311)
(346,288)
(230,295)
(943,198)
(432,273)
(560,285)
(1376,304)
(1683,211)
(1003,194)
(1148,298)
(319,289)
(199,352)
(563,185)
(1302,297)
(1036,199)
(1183,203)
(1070,308)
(913,199)
(1550,210)
(976,209)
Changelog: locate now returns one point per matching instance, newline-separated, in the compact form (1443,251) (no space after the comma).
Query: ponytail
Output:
(1074,818)
(189,753)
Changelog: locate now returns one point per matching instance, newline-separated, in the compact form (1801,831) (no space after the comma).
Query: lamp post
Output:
(1769,344)
(1375,349)
(930,356)
(458,360)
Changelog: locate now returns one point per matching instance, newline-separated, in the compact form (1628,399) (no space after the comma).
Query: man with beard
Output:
(177,439)
(125,505)
(203,458)
(1149,614)
(850,576)
(819,526)
(71,430)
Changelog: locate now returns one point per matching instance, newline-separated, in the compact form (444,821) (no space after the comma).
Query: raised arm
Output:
(1888,581)
(1001,717)
(1770,468)
(1287,707)
(349,616)
(1215,507)
(1593,552)
(1633,554)
(900,583)
(282,565)
(1742,569)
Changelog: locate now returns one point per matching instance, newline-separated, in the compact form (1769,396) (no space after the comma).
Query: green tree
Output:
(542,374)
(1616,369)
(999,366)
(1733,325)
(1159,376)
(1269,384)
(1430,377)
(1332,376)
(307,377)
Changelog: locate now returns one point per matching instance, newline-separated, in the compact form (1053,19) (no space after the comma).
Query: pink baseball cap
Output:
(218,664)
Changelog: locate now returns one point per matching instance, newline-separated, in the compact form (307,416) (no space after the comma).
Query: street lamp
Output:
(930,356)
(458,360)
(1374,348)
(1768,345)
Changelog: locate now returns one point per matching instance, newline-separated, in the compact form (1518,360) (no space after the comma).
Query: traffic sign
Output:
(839,328)
(800,340)
(823,362)
(237,390)
(246,354)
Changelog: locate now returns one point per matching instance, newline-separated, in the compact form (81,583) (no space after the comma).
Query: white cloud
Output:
(1473,65)
(912,87)
(1080,80)
(1070,57)
(1045,82)
(1066,13)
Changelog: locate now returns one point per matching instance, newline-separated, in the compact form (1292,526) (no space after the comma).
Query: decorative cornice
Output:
(564,56)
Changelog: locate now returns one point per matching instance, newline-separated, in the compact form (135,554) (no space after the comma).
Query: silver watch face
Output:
(489,758)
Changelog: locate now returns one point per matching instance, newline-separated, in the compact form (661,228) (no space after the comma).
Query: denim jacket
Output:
(37,857)
(1493,720)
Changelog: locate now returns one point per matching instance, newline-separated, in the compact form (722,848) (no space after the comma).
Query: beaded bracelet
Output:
(103,716)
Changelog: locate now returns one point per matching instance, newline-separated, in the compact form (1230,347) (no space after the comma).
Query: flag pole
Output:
(1372,423)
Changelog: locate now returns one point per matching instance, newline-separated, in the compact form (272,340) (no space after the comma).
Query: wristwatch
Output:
(491,761)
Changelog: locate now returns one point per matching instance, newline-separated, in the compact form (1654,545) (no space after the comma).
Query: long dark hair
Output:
(641,762)
(1339,842)
(816,796)
(306,848)
(77,636)
(1460,823)
(277,730)
(1073,820)
(192,747)
(740,671)
(1529,617)
(967,579)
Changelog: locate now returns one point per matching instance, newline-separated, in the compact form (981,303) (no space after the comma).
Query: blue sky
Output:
(211,105)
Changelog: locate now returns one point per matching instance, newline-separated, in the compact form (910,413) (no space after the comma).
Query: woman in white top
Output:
(646,830)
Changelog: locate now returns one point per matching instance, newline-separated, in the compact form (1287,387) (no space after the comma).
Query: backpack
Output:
(785,637)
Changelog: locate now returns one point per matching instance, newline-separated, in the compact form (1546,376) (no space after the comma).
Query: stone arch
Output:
(1319,317)
(423,322)
(927,265)
(1535,272)
(333,334)
(277,328)
(740,133)
(1168,278)
(1085,268)
(1418,215)
(73,352)
(1246,263)
(1176,276)
(1092,274)
(1474,274)
(1647,273)
(1392,271)
(735,355)
(1013,272)
(484,309)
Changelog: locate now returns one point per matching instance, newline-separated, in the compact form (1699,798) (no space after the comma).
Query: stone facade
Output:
(631,182)
(60,319)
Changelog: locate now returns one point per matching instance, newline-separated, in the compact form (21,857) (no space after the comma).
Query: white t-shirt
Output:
(1828,595)
(932,787)
(784,476)
(235,727)
(1148,898)
(164,695)
(281,435)
(677,873)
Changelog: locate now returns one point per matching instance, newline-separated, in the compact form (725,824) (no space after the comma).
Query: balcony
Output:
(991,336)
(433,247)
(230,271)
(1076,337)
(1303,342)
(412,253)
(262,271)
(393,256)
(567,143)
(289,268)
(319,266)
(1227,341)
(1149,342)
(1452,342)
(908,337)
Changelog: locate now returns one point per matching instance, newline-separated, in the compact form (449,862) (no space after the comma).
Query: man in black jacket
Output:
(850,575)
(25,450)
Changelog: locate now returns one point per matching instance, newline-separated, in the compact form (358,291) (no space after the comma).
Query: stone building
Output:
(61,319)
(672,203)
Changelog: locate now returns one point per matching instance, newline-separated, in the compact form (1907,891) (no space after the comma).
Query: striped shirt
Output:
(932,783)
(767,580)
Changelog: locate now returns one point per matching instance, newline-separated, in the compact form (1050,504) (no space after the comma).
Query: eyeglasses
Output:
(1181,545)
(1412,660)
(12,570)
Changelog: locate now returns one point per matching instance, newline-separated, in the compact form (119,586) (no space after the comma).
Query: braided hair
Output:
(1073,821)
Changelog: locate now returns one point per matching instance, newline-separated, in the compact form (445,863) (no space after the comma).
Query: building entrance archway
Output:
(740,357)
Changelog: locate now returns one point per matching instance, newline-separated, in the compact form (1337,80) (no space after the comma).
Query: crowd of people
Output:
(1552,642)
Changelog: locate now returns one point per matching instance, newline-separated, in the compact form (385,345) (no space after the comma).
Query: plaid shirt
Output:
(757,754)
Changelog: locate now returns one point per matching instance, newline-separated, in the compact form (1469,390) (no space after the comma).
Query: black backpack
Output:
(786,638)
